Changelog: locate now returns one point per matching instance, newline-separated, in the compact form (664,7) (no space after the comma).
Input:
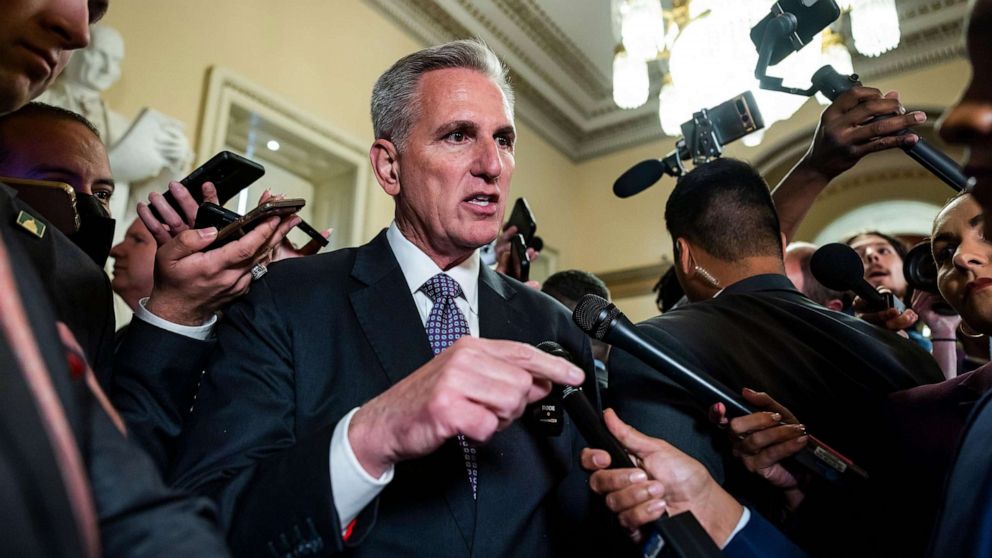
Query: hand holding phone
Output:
(243,225)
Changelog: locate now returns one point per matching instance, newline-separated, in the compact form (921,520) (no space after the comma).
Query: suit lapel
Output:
(387,313)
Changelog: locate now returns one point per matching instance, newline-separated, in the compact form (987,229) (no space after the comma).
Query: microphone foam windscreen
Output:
(588,315)
(638,178)
(837,266)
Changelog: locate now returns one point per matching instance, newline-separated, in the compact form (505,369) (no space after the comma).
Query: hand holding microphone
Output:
(602,320)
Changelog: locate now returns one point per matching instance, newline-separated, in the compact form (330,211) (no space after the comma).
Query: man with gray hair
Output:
(365,401)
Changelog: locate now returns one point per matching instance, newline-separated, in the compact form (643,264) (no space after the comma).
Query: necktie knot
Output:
(441,287)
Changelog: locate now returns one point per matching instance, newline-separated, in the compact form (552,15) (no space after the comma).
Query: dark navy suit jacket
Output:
(321,335)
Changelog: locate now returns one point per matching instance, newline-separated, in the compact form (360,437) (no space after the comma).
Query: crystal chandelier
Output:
(710,57)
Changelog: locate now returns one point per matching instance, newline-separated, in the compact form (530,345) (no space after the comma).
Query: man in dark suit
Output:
(748,326)
(365,401)
(70,482)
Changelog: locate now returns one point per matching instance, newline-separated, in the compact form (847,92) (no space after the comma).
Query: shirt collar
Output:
(418,267)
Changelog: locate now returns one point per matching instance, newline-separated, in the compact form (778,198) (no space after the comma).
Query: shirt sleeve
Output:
(200,332)
(352,486)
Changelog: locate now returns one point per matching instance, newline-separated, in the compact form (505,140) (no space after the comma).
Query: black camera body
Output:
(920,271)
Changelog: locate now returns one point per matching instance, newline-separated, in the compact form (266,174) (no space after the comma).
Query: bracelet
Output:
(951,339)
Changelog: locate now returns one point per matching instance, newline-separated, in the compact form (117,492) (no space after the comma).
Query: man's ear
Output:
(683,256)
(785,243)
(386,166)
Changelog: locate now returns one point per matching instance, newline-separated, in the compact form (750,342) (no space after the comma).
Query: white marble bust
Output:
(145,153)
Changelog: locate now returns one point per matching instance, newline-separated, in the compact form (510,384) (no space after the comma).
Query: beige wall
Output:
(325,56)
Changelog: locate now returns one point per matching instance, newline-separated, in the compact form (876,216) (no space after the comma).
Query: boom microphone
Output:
(602,320)
(638,178)
(837,266)
(682,533)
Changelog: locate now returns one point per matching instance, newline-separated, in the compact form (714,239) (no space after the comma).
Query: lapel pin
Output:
(31,224)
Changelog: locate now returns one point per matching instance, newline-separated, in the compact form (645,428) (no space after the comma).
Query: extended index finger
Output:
(541,365)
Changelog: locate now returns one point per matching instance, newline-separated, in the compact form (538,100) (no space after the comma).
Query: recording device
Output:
(519,263)
(522,218)
(229,172)
(703,139)
(789,26)
(55,201)
(602,320)
(920,271)
(837,266)
(213,215)
(679,535)
(245,224)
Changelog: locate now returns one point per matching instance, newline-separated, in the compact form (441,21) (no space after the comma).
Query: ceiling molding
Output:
(565,95)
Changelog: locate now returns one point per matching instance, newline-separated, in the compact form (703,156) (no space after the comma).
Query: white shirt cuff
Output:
(200,332)
(741,523)
(352,486)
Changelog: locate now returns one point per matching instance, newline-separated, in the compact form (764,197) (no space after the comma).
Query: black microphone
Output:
(638,178)
(832,83)
(682,533)
(587,420)
(602,320)
(837,266)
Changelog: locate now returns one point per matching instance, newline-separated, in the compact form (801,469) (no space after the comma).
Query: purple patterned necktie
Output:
(445,324)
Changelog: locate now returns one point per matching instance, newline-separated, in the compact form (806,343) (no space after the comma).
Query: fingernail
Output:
(749,390)
(776,417)
(208,232)
(920,117)
(656,506)
(600,460)
(575,376)
(801,427)
(638,476)
(902,110)
(655,490)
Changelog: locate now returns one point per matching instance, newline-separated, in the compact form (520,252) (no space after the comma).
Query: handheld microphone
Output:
(681,533)
(837,266)
(832,83)
(602,320)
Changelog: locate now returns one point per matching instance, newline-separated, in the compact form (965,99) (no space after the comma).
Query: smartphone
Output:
(812,16)
(523,219)
(213,215)
(229,172)
(243,225)
(55,201)
(731,119)
(519,264)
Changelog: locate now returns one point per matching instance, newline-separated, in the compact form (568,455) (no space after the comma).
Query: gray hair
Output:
(394,103)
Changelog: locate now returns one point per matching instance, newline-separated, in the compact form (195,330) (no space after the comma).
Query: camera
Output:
(702,140)
(920,271)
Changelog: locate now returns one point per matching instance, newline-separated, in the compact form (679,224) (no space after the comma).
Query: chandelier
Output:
(704,50)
